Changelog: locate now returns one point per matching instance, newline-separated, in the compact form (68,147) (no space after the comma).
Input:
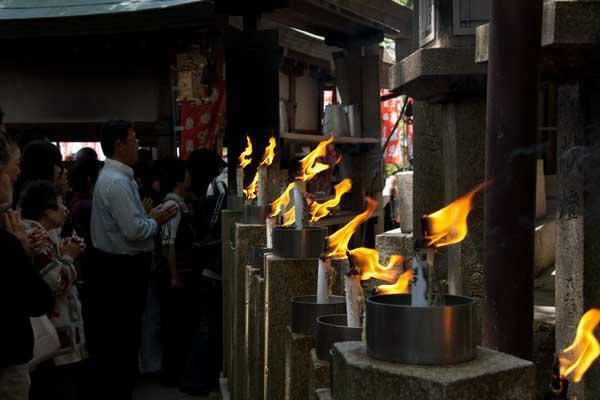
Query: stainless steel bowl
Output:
(435,335)
(306,310)
(333,329)
(299,243)
(256,214)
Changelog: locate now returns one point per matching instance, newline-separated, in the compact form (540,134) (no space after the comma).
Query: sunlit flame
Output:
(282,201)
(449,225)
(367,262)
(320,210)
(289,217)
(269,154)
(309,167)
(246,156)
(577,358)
(252,190)
(402,285)
(338,242)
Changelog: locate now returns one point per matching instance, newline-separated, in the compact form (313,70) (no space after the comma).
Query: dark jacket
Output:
(23,294)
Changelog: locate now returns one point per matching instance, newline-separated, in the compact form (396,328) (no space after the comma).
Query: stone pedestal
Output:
(246,236)
(578,224)
(319,375)
(491,376)
(250,324)
(297,363)
(257,356)
(324,394)
(405,200)
(284,279)
(395,242)
(228,220)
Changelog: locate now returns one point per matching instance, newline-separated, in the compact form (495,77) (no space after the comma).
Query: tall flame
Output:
(246,156)
(402,285)
(320,210)
(282,201)
(269,154)
(309,167)
(338,242)
(449,225)
(289,217)
(252,190)
(367,262)
(577,358)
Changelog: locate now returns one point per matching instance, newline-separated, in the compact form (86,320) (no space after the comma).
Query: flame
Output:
(252,190)
(281,202)
(289,217)
(320,210)
(401,286)
(338,242)
(246,156)
(449,225)
(367,262)
(309,167)
(585,348)
(269,152)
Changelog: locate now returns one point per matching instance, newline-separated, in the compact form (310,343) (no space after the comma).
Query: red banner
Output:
(390,112)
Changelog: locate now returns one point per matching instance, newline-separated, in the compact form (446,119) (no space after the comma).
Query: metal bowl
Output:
(299,243)
(306,310)
(332,329)
(256,215)
(435,335)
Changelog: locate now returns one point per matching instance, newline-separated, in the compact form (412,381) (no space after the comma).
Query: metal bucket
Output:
(257,257)
(332,329)
(305,312)
(256,215)
(299,243)
(435,335)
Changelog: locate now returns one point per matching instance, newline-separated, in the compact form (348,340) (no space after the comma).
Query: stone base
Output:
(324,394)
(257,376)
(491,376)
(297,362)
(250,324)
(284,279)
(395,242)
(319,375)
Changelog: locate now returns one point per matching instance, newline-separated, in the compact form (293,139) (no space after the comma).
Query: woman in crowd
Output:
(41,160)
(42,207)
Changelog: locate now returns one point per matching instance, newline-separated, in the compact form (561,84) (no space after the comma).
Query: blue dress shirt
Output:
(119,223)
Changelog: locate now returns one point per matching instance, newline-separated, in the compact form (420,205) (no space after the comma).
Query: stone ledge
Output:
(431,73)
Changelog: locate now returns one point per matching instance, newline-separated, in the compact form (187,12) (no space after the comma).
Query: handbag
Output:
(46,342)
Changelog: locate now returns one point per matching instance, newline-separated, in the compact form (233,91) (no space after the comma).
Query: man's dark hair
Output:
(112,131)
(84,174)
(171,172)
(38,161)
(86,153)
(36,198)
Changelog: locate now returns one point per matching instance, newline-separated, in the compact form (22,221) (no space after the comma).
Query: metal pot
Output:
(306,310)
(298,243)
(332,329)
(256,215)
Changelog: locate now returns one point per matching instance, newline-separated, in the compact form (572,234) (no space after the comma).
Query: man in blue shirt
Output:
(123,240)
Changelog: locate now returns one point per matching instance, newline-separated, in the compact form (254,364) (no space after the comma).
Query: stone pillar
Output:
(319,375)
(246,236)
(284,279)
(578,223)
(297,363)
(250,323)
(257,377)
(491,376)
(228,220)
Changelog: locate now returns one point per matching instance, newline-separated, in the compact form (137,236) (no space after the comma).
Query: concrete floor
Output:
(152,390)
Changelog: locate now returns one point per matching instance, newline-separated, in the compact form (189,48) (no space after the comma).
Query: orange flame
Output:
(584,350)
(289,217)
(402,285)
(252,190)
(269,152)
(320,210)
(281,202)
(246,156)
(309,167)
(367,262)
(449,225)
(338,242)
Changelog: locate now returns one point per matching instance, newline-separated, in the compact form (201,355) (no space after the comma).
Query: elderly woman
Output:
(42,207)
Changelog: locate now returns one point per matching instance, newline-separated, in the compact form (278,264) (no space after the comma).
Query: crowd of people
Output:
(109,268)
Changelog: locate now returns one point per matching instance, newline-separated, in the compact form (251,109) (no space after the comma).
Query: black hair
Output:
(86,153)
(171,172)
(4,151)
(83,174)
(36,198)
(38,161)
(112,131)
(204,166)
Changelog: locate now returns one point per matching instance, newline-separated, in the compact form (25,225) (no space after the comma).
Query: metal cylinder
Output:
(306,310)
(299,243)
(256,214)
(436,335)
(332,329)
(257,257)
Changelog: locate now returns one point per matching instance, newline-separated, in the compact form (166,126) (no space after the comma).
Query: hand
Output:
(162,214)
(147,204)
(34,242)
(72,247)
